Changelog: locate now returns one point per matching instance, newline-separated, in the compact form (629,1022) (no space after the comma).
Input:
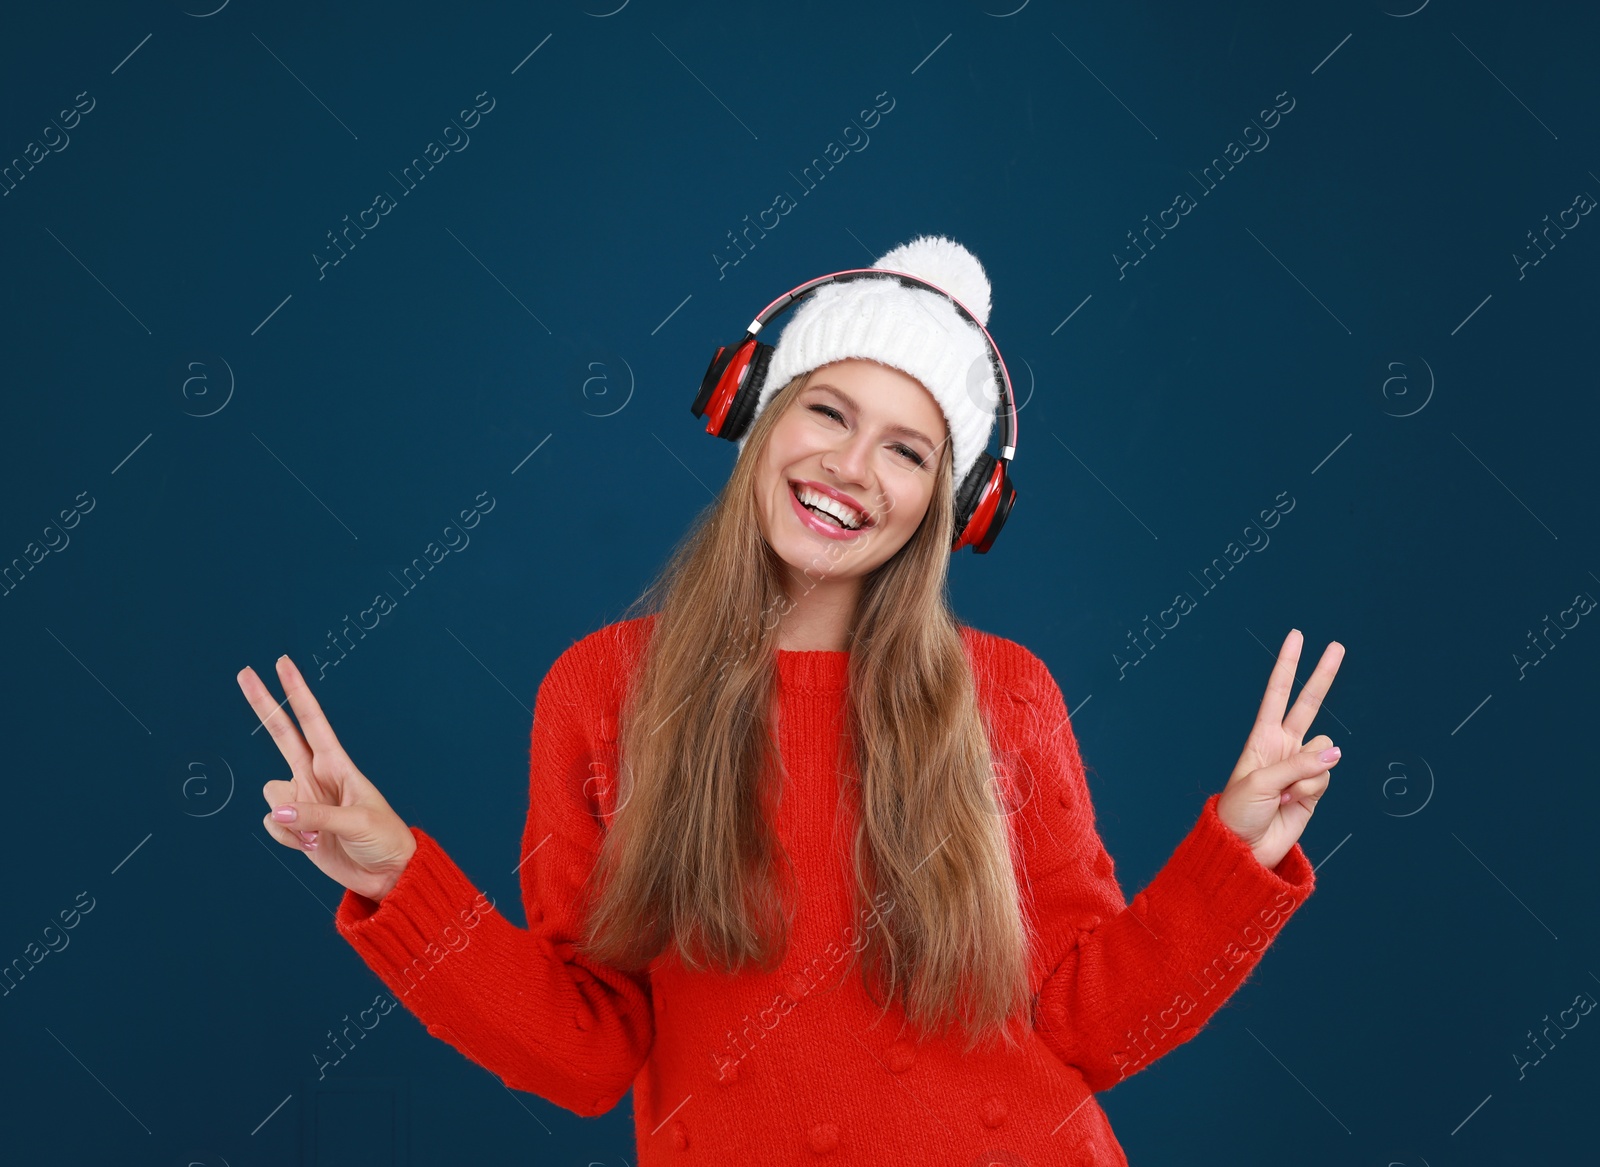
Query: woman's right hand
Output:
(341,821)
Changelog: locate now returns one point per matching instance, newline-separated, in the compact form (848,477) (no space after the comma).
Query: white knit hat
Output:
(912,329)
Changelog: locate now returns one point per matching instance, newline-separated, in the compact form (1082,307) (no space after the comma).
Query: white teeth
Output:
(848,518)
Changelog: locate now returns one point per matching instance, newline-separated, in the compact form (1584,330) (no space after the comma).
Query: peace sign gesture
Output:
(1276,784)
(339,819)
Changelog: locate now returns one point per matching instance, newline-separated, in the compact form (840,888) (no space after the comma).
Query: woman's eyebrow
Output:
(851,402)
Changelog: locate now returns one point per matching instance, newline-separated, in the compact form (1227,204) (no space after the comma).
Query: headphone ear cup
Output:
(743,408)
(1006,496)
(966,500)
(983,504)
(708,383)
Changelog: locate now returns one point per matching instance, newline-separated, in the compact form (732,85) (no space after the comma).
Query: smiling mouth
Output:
(819,505)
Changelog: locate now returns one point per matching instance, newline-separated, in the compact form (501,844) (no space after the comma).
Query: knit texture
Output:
(911,329)
(793,1067)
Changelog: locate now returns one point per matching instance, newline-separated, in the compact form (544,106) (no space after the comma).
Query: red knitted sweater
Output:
(789,1067)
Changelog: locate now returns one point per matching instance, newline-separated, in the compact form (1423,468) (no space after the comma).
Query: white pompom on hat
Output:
(911,329)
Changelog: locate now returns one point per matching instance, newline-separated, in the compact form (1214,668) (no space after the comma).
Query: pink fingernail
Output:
(284,814)
(1329,754)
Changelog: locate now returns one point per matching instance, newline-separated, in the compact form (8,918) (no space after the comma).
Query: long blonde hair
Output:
(691,858)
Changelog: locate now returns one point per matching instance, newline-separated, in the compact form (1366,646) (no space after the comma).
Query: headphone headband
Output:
(733,382)
(997,364)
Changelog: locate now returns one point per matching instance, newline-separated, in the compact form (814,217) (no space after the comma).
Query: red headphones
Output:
(732,386)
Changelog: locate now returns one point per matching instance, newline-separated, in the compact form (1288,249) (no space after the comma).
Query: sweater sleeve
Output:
(522,1003)
(1128,982)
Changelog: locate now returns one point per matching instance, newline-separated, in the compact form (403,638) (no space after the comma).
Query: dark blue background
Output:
(554,287)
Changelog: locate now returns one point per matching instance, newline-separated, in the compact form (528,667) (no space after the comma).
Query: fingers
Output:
(279,793)
(277,720)
(320,816)
(1307,790)
(1270,715)
(1308,767)
(1315,688)
(318,732)
(311,819)
(296,750)
(284,835)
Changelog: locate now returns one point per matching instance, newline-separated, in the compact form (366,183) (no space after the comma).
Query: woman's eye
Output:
(833,413)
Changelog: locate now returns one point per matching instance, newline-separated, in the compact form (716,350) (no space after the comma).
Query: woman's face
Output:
(862,434)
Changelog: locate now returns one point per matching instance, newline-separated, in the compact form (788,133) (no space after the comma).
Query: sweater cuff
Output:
(425,916)
(1219,897)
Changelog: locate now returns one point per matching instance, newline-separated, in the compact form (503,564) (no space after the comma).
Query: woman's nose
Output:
(849,460)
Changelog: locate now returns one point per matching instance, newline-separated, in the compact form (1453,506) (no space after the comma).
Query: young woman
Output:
(808,864)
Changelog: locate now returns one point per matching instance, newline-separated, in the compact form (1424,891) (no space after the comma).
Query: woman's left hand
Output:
(1278,779)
